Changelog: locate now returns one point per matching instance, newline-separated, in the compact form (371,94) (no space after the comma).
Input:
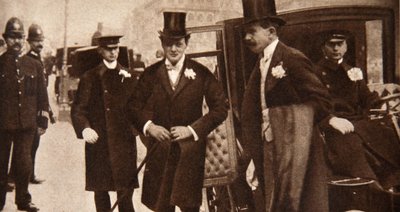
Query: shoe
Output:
(37,181)
(10,187)
(30,207)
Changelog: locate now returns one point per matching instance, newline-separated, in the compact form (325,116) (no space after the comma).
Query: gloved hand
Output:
(41,131)
(180,133)
(89,135)
(342,125)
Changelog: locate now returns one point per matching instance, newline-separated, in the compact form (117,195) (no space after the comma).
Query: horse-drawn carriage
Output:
(371,47)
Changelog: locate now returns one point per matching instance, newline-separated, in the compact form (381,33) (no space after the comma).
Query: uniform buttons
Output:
(108,109)
(328,86)
(19,81)
(105,91)
(19,92)
(324,73)
(19,105)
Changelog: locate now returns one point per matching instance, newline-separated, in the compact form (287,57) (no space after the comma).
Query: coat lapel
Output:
(183,81)
(163,76)
(275,60)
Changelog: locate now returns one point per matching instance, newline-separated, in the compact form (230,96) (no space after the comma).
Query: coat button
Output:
(328,86)
(105,91)
(19,81)
(19,92)
(108,109)
(324,73)
(19,105)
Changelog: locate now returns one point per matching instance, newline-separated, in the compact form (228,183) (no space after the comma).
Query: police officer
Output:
(35,40)
(22,95)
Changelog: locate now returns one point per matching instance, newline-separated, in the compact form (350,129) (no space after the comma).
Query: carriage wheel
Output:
(218,199)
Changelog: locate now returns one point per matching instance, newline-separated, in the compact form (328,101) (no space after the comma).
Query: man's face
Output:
(335,50)
(257,38)
(15,43)
(174,49)
(109,54)
(36,45)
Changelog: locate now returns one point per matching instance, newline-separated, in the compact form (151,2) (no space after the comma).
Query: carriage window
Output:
(374,51)
(370,46)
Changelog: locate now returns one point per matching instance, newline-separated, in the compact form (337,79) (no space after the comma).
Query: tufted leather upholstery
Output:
(220,162)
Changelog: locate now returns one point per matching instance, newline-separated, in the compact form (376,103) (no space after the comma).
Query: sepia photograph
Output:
(200,105)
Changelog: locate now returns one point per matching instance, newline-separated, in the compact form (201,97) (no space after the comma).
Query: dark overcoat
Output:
(174,173)
(99,104)
(23,93)
(300,85)
(352,154)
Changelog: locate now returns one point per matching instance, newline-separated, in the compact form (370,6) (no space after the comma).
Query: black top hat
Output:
(110,41)
(334,35)
(174,25)
(14,27)
(258,10)
(35,33)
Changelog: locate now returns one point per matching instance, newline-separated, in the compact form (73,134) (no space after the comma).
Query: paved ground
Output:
(60,161)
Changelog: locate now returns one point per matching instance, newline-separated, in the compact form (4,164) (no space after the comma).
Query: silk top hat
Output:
(109,41)
(174,25)
(14,28)
(35,33)
(259,10)
(334,35)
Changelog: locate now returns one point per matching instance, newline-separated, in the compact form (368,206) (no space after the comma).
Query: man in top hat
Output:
(167,107)
(282,101)
(23,96)
(357,146)
(98,117)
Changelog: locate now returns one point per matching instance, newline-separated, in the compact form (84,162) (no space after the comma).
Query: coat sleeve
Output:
(139,106)
(42,98)
(217,103)
(309,87)
(79,109)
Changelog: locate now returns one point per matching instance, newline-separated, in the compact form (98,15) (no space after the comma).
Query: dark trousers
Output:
(22,140)
(35,146)
(103,203)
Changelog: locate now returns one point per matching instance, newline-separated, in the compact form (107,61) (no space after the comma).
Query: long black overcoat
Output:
(356,154)
(99,103)
(174,173)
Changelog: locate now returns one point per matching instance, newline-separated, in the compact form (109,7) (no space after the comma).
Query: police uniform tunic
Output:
(22,95)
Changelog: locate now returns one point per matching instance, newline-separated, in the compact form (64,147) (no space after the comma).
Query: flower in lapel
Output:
(278,71)
(124,74)
(355,74)
(189,73)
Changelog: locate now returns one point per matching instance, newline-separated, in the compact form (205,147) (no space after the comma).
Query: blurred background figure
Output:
(138,64)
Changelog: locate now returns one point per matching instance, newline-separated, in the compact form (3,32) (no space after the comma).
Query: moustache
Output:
(249,43)
(16,45)
(40,46)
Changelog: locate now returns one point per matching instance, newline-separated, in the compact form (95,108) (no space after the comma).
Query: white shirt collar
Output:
(340,61)
(111,65)
(178,65)
(269,50)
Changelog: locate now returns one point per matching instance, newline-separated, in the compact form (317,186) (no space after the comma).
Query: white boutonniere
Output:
(189,73)
(355,74)
(278,71)
(124,74)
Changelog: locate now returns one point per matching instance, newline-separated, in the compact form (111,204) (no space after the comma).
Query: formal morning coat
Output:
(351,154)
(23,93)
(174,173)
(300,88)
(99,104)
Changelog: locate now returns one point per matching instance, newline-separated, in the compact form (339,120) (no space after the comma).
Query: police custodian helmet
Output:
(14,28)
(35,33)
